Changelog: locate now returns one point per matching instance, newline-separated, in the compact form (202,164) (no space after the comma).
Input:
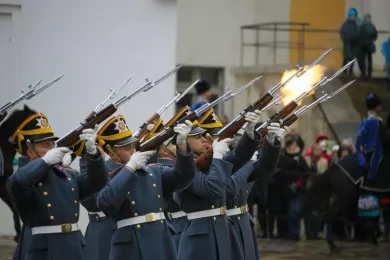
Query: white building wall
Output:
(97,45)
(209,33)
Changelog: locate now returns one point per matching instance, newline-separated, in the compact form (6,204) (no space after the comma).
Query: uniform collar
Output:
(371,115)
(166,161)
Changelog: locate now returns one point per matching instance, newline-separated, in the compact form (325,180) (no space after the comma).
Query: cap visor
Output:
(196,131)
(40,138)
(125,141)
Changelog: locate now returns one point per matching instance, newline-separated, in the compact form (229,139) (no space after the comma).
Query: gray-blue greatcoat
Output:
(209,238)
(130,194)
(238,188)
(171,206)
(100,229)
(49,195)
(25,234)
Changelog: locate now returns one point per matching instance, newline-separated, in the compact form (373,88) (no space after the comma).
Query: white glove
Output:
(254,156)
(220,148)
(67,159)
(55,155)
(138,160)
(275,131)
(89,136)
(182,131)
(252,118)
(149,127)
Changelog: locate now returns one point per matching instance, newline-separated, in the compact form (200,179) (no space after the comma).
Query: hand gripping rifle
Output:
(71,138)
(168,132)
(25,95)
(289,120)
(235,125)
(290,107)
(143,131)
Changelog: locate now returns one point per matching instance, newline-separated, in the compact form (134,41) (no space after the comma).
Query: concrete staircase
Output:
(345,111)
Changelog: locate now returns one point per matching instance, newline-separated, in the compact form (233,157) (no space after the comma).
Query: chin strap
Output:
(109,148)
(29,145)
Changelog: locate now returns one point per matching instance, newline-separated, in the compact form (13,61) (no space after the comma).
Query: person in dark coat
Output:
(349,33)
(366,170)
(289,181)
(134,196)
(368,34)
(46,194)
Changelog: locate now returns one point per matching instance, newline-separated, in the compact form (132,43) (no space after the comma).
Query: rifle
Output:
(290,107)
(168,132)
(261,104)
(71,138)
(112,95)
(28,95)
(143,131)
(290,119)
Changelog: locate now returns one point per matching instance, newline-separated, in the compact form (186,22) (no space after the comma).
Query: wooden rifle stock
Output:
(167,133)
(234,127)
(143,130)
(203,162)
(287,121)
(71,138)
(284,112)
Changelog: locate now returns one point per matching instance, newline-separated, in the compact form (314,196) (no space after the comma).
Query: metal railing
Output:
(301,28)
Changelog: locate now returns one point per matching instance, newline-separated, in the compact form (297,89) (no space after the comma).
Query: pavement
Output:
(281,250)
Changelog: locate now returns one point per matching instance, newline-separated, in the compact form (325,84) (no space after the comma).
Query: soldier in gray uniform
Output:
(206,235)
(21,249)
(47,195)
(240,184)
(134,198)
(100,228)
(239,188)
(177,217)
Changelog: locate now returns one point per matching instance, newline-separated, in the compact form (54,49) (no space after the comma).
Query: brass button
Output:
(138,226)
(215,218)
(40,184)
(158,196)
(75,202)
(45,193)
(162,221)
(76,214)
(51,217)
(69,179)
(154,185)
(72,189)
(150,174)
(246,191)
(212,206)
(128,193)
(133,203)
(135,214)
(238,218)
(49,205)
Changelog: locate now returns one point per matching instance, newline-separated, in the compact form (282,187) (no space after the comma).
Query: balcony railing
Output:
(300,28)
